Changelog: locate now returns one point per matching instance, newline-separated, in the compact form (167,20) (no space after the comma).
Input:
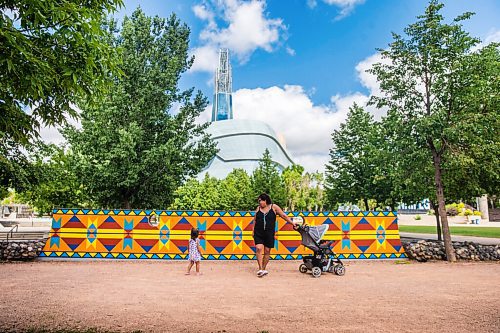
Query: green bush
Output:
(418,217)
(468,212)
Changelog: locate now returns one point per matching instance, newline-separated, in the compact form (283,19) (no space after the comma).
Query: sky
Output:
(299,65)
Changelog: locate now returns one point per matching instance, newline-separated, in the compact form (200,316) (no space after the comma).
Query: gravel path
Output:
(156,296)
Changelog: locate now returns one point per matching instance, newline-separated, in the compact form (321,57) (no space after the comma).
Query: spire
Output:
(223,101)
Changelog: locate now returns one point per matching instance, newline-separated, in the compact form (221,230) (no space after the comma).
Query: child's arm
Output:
(198,245)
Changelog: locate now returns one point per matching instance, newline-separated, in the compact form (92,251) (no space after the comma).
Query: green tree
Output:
(135,149)
(235,191)
(266,179)
(351,170)
(427,86)
(54,182)
(292,179)
(51,54)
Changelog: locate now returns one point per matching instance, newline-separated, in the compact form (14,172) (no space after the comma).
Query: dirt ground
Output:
(156,296)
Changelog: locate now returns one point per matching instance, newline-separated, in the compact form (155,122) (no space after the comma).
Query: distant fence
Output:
(162,234)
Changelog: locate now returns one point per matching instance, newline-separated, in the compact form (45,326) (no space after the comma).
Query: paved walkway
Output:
(479,240)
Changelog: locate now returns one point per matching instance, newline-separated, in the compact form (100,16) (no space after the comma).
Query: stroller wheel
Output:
(316,272)
(303,268)
(339,270)
(331,269)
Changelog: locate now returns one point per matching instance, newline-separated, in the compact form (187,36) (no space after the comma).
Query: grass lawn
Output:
(491,232)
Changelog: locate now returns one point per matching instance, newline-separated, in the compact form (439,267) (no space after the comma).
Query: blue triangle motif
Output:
(155,256)
(219,221)
(143,256)
(76,255)
(328,221)
(98,255)
(183,221)
(109,219)
(65,211)
(363,221)
(74,219)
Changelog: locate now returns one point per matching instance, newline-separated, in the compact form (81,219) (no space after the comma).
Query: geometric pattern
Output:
(224,235)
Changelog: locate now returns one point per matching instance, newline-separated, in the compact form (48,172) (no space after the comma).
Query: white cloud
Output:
(492,37)
(290,51)
(346,6)
(246,28)
(311,3)
(206,58)
(305,127)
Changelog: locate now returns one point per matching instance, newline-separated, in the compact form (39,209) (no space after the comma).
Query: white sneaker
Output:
(264,272)
(260,273)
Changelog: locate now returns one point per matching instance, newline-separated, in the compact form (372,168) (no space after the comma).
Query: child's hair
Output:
(194,233)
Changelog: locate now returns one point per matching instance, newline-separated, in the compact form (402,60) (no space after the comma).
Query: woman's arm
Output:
(279,211)
(253,221)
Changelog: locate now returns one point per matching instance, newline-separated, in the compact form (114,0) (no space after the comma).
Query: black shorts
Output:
(264,238)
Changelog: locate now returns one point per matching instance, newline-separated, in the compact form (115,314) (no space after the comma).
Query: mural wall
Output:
(150,234)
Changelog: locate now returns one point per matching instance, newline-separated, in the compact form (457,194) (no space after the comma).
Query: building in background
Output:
(241,142)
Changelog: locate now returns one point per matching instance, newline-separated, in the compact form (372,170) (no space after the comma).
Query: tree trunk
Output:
(366,204)
(438,224)
(450,252)
(126,204)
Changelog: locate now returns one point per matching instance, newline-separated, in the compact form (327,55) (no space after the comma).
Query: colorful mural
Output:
(155,234)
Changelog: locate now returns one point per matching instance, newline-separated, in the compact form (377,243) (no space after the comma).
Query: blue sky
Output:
(300,64)
(326,47)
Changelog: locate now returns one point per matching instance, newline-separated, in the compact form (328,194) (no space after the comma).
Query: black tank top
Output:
(265,222)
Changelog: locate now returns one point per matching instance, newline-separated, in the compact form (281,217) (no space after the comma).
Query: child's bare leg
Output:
(197,268)
(189,267)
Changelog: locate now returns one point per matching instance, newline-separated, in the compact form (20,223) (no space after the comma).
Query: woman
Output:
(264,228)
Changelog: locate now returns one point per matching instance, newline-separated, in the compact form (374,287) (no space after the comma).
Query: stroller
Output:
(323,259)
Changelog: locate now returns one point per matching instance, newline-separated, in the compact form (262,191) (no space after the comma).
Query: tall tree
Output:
(134,147)
(235,191)
(266,179)
(350,172)
(425,86)
(51,54)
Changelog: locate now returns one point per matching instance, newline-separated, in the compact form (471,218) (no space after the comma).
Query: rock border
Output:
(424,250)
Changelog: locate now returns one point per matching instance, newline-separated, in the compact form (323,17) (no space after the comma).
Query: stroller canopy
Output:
(312,235)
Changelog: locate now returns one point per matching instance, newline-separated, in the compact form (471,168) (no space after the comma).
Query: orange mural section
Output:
(159,234)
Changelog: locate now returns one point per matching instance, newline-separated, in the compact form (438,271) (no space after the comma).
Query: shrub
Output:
(468,212)
(418,217)
(451,211)
(477,213)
